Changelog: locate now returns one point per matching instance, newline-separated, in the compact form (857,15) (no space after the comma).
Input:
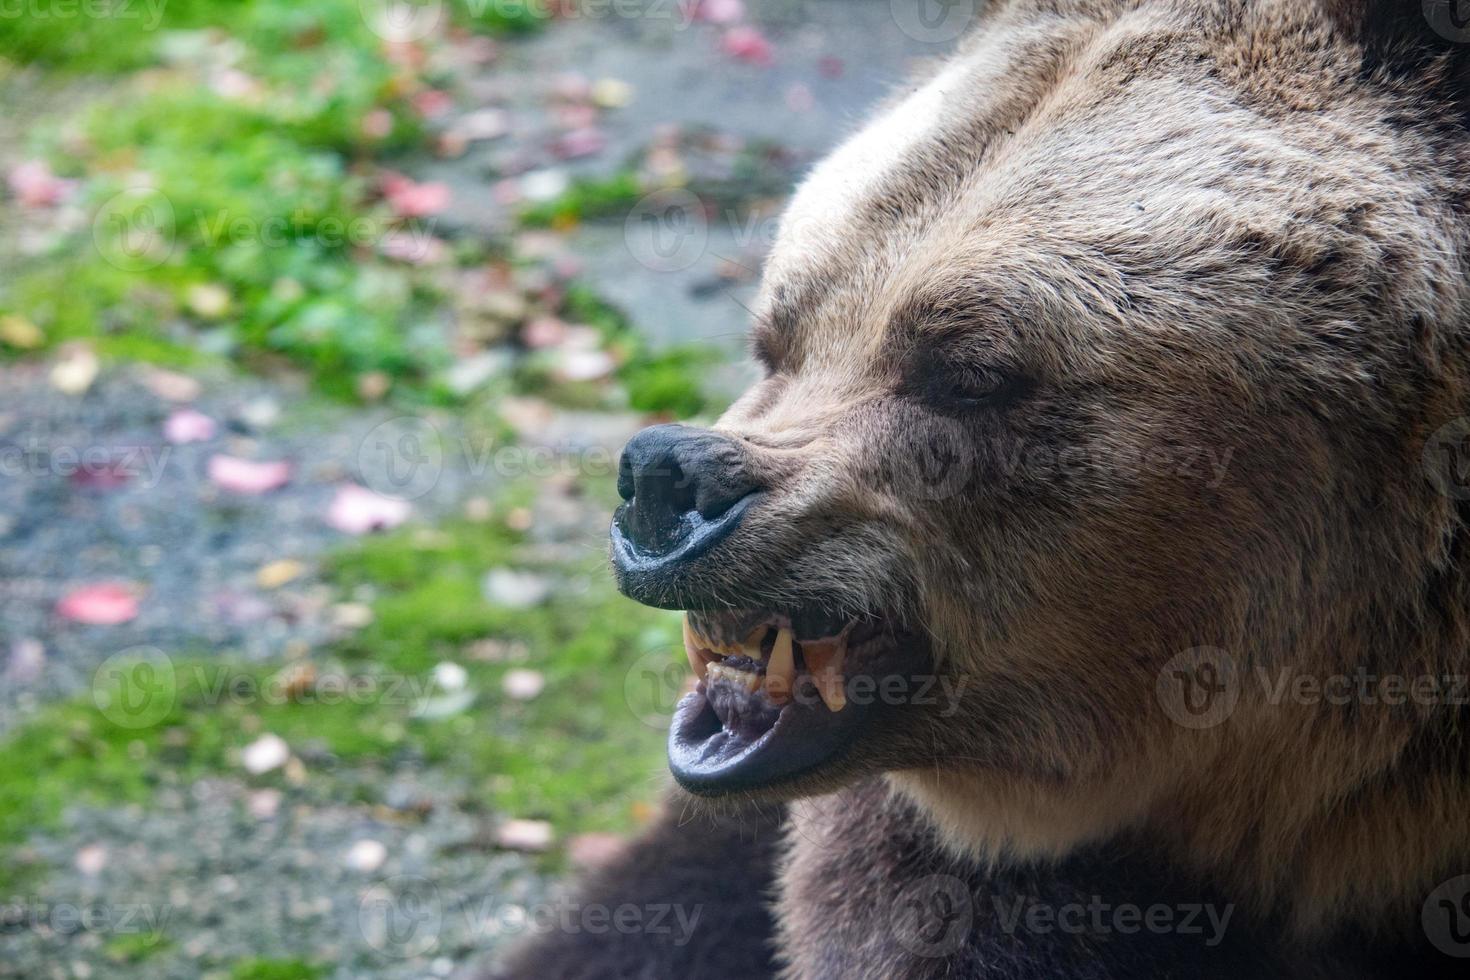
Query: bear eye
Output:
(975,385)
(955,385)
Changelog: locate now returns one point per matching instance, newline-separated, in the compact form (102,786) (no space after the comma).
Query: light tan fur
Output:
(1191,227)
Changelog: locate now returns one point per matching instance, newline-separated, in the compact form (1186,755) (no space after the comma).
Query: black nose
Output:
(677,480)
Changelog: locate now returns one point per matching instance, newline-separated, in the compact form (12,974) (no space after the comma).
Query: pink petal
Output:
(410,199)
(720,11)
(187,425)
(432,103)
(247,476)
(748,44)
(358,510)
(416,249)
(580,143)
(35,186)
(102,604)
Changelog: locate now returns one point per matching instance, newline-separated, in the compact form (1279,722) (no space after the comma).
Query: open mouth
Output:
(774,699)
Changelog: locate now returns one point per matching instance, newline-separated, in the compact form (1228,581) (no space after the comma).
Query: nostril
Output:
(673,478)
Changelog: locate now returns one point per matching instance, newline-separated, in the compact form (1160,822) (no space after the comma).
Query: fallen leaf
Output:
(247,476)
(90,860)
(523,684)
(75,370)
(482,124)
(275,574)
(543,331)
(100,604)
(748,44)
(18,332)
(585,142)
(263,803)
(611,93)
(414,248)
(584,365)
(544,185)
(720,11)
(351,615)
(525,835)
(366,856)
(358,510)
(208,300)
(27,661)
(451,676)
(172,386)
(515,589)
(593,849)
(264,754)
(186,425)
(410,199)
(35,186)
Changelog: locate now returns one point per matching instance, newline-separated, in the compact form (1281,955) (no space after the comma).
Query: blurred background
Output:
(321,326)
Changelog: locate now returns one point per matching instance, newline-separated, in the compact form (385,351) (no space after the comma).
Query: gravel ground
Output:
(324,869)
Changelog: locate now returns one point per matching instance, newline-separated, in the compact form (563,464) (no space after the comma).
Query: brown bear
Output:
(1082,592)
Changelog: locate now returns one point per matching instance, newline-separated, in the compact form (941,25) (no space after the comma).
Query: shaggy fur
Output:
(1209,259)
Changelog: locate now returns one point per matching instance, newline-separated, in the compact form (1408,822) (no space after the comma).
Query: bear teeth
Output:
(775,648)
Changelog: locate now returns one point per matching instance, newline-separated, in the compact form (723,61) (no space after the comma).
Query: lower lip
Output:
(708,760)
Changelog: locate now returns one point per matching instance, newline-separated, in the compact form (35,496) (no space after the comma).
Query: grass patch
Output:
(585,199)
(578,754)
(260,969)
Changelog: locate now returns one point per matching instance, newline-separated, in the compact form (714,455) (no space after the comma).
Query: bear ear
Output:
(1424,42)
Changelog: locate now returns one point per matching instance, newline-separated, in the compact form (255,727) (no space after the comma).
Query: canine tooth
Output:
(825,661)
(693,652)
(781,670)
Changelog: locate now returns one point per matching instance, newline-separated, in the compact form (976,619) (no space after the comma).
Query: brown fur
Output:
(1233,231)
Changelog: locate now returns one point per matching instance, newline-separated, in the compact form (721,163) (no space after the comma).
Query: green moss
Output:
(261,969)
(586,199)
(579,754)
